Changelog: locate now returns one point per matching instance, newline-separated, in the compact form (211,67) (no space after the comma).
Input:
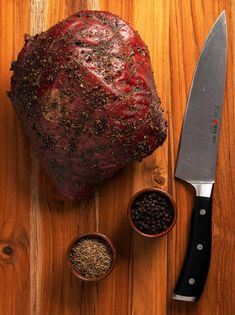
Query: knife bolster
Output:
(202,189)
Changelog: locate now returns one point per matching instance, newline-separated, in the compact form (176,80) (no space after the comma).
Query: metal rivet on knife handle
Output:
(191,281)
(199,247)
(202,212)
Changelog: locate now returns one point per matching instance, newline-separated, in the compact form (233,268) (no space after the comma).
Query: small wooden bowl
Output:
(94,235)
(158,191)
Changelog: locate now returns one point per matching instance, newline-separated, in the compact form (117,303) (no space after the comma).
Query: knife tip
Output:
(222,15)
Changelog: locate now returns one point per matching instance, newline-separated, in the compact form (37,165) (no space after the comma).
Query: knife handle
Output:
(195,268)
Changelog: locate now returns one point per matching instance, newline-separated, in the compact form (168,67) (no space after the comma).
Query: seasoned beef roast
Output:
(85,94)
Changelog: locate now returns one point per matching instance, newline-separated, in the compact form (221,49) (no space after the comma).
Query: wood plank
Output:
(54,220)
(150,256)
(190,24)
(182,67)
(115,292)
(14,170)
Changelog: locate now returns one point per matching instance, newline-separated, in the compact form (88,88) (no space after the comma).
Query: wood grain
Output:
(151,256)
(14,171)
(37,223)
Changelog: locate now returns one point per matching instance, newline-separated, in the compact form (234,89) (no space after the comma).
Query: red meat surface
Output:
(85,94)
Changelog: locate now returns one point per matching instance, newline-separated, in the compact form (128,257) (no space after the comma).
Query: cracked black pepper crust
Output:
(85,94)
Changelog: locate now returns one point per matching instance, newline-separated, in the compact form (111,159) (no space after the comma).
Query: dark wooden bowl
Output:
(167,196)
(91,235)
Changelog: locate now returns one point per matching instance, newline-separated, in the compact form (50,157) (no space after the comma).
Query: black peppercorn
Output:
(151,212)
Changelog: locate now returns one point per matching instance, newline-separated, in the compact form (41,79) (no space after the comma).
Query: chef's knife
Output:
(198,154)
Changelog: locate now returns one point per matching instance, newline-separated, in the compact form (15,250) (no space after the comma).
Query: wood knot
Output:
(157,178)
(6,251)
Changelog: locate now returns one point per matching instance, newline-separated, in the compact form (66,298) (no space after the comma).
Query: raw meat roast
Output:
(85,94)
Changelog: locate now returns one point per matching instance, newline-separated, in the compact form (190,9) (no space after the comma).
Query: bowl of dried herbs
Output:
(91,256)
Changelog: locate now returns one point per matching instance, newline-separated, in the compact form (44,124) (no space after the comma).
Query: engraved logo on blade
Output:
(215,124)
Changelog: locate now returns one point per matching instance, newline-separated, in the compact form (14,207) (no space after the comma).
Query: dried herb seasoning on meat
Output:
(85,94)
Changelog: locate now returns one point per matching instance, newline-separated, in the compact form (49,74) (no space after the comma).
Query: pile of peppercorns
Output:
(152,212)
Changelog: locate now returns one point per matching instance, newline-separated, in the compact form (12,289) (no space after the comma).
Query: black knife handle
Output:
(195,268)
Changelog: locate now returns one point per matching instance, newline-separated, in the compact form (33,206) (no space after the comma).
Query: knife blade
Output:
(197,157)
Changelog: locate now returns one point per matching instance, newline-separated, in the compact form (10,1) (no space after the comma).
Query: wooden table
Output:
(37,224)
